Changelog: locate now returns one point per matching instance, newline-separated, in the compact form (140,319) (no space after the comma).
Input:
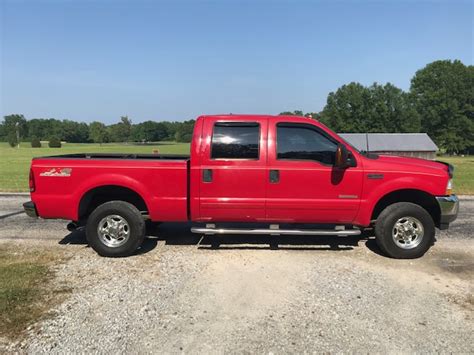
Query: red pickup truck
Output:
(277,171)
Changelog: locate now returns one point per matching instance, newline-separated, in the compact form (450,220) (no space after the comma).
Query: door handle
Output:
(207,175)
(274,176)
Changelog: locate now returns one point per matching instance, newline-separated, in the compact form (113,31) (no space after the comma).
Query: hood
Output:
(417,163)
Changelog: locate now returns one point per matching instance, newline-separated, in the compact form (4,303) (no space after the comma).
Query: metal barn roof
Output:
(391,142)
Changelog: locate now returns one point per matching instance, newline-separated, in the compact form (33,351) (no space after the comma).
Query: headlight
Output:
(449,188)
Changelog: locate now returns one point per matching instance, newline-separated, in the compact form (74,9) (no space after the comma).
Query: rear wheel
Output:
(404,230)
(115,228)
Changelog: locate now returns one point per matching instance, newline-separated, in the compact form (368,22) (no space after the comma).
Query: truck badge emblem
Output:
(61,172)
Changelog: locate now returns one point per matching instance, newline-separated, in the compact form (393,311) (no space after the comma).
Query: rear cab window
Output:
(235,140)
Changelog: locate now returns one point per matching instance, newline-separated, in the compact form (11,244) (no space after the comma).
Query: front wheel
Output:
(115,228)
(404,230)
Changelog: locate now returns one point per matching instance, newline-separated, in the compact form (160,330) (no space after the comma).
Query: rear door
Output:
(233,169)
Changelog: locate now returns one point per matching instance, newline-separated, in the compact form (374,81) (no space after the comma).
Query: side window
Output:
(235,140)
(301,142)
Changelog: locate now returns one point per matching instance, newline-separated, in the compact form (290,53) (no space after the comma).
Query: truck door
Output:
(302,183)
(233,169)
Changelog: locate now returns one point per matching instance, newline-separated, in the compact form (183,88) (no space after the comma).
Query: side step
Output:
(274,230)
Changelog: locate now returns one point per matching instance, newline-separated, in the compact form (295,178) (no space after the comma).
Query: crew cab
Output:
(283,172)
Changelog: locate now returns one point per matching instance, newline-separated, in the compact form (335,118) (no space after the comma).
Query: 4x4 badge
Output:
(61,172)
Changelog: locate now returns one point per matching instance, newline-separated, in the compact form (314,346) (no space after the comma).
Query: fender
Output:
(111,179)
(373,193)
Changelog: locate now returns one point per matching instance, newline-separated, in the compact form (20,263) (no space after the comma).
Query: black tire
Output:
(385,224)
(135,227)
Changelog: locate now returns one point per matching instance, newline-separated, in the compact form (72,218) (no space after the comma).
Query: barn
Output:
(417,145)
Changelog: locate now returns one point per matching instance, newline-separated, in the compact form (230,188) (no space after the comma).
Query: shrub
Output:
(35,142)
(12,141)
(54,142)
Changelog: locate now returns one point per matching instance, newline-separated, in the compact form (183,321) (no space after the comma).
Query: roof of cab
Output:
(234,116)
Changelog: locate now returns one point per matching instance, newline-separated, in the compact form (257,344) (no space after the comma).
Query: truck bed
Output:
(118,156)
(63,180)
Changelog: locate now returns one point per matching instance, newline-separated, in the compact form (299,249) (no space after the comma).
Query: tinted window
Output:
(304,143)
(235,141)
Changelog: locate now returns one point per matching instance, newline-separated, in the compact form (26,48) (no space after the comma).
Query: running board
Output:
(276,231)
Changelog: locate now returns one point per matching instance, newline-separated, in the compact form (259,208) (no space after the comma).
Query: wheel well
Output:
(99,195)
(421,198)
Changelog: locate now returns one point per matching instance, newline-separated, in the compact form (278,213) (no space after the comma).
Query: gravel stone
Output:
(308,296)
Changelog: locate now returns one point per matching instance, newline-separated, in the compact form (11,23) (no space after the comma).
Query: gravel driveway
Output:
(313,294)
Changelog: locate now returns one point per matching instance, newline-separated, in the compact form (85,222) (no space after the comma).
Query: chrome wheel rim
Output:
(407,233)
(113,231)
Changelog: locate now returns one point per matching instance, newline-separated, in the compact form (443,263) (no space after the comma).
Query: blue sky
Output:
(174,60)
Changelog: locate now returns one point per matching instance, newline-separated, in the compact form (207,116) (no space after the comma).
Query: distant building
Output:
(417,145)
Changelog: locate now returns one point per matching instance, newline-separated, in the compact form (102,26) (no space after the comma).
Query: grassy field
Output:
(14,163)
(463,174)
(25,294)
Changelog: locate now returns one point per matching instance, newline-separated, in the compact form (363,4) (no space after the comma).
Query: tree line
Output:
(37,129)
(440,102)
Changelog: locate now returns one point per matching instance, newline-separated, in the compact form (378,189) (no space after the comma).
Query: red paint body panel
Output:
(162,185)
(399,173)
(309,191)
(237,192)
(240,191)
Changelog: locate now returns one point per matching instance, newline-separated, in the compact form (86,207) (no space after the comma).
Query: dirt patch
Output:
(26,294)
(464,301)
(455,262)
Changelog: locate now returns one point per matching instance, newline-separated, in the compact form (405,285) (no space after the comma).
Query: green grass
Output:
(24,292)
(15,163)
(463,174)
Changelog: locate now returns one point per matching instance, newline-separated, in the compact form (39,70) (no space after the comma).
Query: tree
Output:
(126,127)
(377,108)
(171,129)
(74,132)
(443,93)
(15,125)
(44,128)
(121,132)
(346,109)
(149,131)
(98,132)
(292,113)
(37,127)
(184,133)
(3,133)
(392,110)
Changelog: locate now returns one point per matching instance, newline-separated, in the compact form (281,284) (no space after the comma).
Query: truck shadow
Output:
(175,234)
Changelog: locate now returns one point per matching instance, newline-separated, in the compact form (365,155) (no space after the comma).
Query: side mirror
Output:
(341,157)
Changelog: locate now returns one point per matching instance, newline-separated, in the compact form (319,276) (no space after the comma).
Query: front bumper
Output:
(449,207)
(30,209)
